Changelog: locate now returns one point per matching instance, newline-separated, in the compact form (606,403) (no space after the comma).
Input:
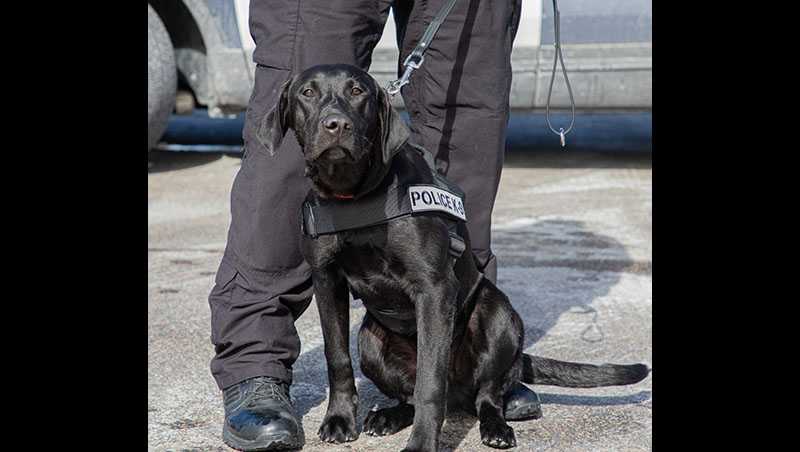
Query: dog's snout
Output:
(335,124)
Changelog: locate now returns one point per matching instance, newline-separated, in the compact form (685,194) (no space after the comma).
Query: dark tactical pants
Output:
(458,104)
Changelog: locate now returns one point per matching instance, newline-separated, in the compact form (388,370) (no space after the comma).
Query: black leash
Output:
(558,56)
(417,56)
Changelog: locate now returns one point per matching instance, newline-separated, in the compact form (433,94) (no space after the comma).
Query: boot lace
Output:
(271,388)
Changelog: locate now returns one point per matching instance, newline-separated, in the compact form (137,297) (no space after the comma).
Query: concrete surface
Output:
(573,236)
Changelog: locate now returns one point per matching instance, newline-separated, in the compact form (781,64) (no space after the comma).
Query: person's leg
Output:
(458,100)
(262,286)
(263,283)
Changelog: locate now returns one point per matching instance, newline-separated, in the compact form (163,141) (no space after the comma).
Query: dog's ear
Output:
(273,126)
(393,130)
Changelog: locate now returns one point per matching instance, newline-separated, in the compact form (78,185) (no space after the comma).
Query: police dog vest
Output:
(410,187)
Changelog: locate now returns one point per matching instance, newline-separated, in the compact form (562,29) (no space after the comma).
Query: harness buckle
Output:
(457,245)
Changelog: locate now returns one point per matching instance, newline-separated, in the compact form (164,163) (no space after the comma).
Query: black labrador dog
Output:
(459,341)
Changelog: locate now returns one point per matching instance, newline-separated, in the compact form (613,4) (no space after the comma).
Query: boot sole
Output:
(274,442)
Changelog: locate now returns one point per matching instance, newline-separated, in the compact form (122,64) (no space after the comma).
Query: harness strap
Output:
(457,244)
(406,190)
(328,218)
(417,56)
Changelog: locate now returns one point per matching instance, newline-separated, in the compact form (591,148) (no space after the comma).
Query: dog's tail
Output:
(545,371)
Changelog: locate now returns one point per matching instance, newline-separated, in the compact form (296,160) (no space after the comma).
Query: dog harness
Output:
(409,188)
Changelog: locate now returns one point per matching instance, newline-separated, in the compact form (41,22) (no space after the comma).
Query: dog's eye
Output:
(356,91)
(308,92)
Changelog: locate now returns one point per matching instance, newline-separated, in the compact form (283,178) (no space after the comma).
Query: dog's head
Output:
(345,125)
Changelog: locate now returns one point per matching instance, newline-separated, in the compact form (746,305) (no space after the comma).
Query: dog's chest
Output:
(376,276)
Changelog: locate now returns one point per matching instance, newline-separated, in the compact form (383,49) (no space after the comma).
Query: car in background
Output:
(200,54)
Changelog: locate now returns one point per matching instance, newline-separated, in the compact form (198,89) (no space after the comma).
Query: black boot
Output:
(522,403)
(259,416)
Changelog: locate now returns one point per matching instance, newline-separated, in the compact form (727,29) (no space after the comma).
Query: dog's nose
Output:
(335,124)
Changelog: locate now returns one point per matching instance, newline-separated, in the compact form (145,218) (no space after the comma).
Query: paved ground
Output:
(573,236)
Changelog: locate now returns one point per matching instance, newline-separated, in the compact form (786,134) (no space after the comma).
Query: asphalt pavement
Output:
(572,231)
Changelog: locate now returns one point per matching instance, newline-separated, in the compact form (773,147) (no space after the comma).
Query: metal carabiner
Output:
(394,87)
(410,65)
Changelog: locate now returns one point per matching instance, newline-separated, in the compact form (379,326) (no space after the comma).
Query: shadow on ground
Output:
(593,264)
(561,399)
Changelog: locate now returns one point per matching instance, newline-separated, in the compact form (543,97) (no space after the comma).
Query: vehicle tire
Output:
(162,77)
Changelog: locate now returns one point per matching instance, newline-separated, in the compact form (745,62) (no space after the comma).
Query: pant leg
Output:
(263,283)
(458,100)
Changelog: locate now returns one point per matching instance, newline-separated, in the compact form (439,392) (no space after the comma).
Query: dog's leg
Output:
(496,336)
(330,289)
(494,379)
(388,421)
(435,311)
(389,360)
(495,432)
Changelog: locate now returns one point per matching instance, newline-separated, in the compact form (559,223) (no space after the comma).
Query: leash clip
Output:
(563,137)
(394,86)
(413,61)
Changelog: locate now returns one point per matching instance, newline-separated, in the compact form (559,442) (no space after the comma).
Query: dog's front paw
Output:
(497,435)
(389,421)
(338,429)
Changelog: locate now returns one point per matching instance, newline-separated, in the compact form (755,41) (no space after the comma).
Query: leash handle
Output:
(559,56)
(417,56)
